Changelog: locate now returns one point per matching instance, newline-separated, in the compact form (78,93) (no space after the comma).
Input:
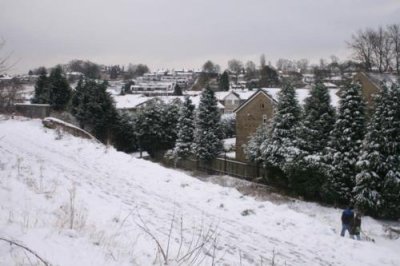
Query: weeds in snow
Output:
(202,244)
(72,216)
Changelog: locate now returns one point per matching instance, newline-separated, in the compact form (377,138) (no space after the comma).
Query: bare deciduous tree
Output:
(361,44)
(236,66)
(377,49)
(262,61)
(3,58)
(210,67)
(251,70)
(302,65)
(10,93)
(394,36)
(381,49)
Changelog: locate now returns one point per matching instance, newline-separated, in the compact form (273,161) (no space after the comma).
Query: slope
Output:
(76,202)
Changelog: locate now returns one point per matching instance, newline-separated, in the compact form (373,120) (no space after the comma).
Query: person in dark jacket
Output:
(347,220)
(356,227)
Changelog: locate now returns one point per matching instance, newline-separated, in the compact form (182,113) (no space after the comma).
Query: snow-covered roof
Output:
(130,100)
(221,95)
(336,78)
(192,93)
(196,102)
(329,85)
(170,99)
(379,78)
(253,96)
(5,77)
(245,94)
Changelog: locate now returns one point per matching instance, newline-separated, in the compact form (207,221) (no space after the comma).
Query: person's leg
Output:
(358,237)
(351,236)
(344,228)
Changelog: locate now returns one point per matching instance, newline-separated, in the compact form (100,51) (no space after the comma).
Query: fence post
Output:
(225,163)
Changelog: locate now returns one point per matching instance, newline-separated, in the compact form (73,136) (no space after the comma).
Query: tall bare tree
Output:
(11,92)
(394,36)
(236,67)
(302,64)
(361,44)
(251,70)
(381,49)
(378,49)
(262,61)
(4,58)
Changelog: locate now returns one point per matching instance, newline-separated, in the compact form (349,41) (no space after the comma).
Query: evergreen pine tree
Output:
(208,134)
(255,144)
(77,102)
(148,128)
(344,146)
(94,108)
(184,142)
(60,91)
(156,127)
(369,178)
(305,170)
(377,190)
(269,77)
(177,90)
(391,184)
(317,121)
(281,144)
(224,82)
(169,122)
(42,93)
(124,138)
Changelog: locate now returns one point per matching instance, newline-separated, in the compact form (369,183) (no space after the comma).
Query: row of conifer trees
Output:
(341,157)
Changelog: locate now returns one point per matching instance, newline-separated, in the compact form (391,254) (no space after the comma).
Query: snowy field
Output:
(76,202)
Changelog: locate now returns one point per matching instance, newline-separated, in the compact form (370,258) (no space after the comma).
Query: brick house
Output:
(371,84)
(258,109)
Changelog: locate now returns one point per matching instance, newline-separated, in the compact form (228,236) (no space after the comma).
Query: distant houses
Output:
(153,88)
(163,82)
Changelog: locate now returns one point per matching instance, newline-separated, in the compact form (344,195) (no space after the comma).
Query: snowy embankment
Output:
(75,202)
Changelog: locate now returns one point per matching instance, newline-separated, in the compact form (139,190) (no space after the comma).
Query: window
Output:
(265,119)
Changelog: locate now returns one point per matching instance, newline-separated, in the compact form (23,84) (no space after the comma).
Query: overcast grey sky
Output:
(184,33)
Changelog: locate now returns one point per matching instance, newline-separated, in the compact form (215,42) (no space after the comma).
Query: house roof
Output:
(130,101)
(255,94)
(379,78)
(221,95)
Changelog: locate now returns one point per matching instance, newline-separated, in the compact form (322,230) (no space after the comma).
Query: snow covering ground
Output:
(76,202)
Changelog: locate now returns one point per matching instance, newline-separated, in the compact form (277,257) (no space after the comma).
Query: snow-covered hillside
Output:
(124,207)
